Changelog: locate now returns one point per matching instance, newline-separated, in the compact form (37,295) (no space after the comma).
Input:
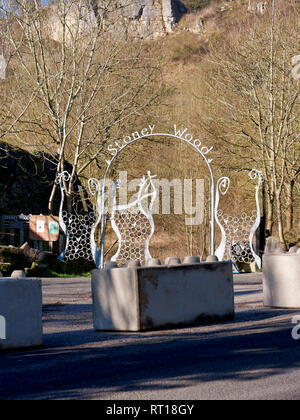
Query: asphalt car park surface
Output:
(252,357)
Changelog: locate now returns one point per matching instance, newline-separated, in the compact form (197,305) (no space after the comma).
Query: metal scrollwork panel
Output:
(134,225)
(237,232)
(78,229)
(256,174)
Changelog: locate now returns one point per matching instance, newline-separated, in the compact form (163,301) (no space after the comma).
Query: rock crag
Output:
(132,18)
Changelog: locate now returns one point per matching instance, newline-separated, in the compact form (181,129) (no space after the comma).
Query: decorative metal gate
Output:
(238,231)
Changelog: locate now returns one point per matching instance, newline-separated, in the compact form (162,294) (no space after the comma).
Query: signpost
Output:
(44,228)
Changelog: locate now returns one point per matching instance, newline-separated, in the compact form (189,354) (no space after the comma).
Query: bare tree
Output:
(251,103)
(83,81)
(10,113)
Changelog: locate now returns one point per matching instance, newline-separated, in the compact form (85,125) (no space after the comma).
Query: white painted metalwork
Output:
(95,189)
(195,144)
(61,179)
(256,174)
(133,224)
(78,229)
(223,185)
(238,232)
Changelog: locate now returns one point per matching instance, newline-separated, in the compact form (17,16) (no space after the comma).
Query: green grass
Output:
(194,5)
(60,270)
(53,274)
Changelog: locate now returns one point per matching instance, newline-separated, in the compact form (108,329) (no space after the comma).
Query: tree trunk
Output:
(69,203)
(51,199)
(279,221)
(290,205)
(270,215)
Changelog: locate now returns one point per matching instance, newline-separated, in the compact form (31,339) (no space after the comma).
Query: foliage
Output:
(195,5)
(12,259)
(60,269)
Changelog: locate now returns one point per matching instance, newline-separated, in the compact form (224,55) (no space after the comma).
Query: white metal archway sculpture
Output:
(118,147)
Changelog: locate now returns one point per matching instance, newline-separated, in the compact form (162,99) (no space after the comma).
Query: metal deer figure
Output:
(133,224)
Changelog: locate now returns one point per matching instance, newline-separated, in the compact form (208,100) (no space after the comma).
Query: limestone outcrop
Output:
(136,18)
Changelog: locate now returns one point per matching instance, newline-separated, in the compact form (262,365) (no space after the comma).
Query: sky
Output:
(45,2)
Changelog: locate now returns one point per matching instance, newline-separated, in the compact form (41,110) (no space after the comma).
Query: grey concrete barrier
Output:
(281,280)
(20,313)
(162,296)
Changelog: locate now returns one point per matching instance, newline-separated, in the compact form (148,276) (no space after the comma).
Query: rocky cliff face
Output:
(152,17)
(137,18)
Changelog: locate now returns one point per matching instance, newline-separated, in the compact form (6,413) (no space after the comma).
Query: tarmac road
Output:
(253,357)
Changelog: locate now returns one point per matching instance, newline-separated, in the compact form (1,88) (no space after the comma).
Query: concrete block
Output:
(115,299)
(20,313)
(172,261)
(281,280)
(18,274)
(147,298)
(152,262)
(212,258)
(191,260)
